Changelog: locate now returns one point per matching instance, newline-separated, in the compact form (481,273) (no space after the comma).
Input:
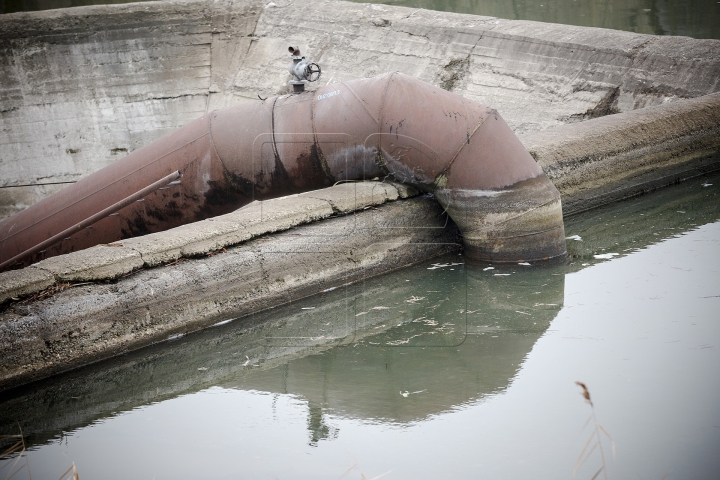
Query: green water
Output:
(442,370)
(692,18)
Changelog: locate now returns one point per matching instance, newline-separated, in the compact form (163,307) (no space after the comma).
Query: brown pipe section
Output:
(396,125)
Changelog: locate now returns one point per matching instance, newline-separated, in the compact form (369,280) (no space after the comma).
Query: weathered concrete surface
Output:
(80,87)
(107,262)
(90,322)
(17,283)
(614,157)
(592,162)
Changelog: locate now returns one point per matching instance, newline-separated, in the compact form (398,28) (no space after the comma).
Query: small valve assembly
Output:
(302,70)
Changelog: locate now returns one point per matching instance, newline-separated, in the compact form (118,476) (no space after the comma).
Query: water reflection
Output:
(415,348)
(624,227)
(396,350)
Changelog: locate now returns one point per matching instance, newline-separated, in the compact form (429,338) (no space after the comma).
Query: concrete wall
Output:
(81,87)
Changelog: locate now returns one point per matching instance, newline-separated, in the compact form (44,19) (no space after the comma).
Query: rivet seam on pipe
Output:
(467,142)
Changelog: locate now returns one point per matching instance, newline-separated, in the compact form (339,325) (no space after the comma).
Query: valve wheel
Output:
(312,72)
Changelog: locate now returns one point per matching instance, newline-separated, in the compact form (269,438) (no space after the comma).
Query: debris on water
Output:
(407,394)
(707,184)
(524,313)
(247,361)
(329,289)
(524,263)
(605,256)
(361,313)
(681,211)
(574,237)
(585,264)
(176,336)
(488,268)
(502,274)
(443,265)
(202,369)
(307,308)
(414,299)
(380,307)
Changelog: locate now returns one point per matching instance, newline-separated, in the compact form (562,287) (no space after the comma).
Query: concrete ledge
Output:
(100,320)
(92,264)
(606,159)
(23,282)
(106,262)
(348,197)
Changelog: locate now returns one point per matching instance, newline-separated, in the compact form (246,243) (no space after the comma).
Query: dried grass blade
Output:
(381,475)
(577,463)
(587,423)
(16,471)
(352,467)
(604,431)
(12,449)
(13,463)
(588,455)
(598,472)
(67,471)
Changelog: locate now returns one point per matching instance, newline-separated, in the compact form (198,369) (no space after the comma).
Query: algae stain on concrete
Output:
(453,73)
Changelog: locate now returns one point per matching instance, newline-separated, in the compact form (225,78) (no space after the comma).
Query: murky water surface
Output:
(692,18)
(443,370)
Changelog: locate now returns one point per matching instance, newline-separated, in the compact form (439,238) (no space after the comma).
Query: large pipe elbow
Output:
(469,158)
(393,125)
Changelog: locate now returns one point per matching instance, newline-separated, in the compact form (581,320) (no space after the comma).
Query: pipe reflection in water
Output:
(448,333)
(402,351)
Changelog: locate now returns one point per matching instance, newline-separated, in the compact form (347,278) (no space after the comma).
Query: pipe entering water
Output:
(392,125)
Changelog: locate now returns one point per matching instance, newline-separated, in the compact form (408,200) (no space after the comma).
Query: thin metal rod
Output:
(38,184)
(94,218)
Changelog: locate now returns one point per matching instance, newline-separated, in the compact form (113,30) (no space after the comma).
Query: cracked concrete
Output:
(576,96)
(90,79)
(108,262)
(101,319)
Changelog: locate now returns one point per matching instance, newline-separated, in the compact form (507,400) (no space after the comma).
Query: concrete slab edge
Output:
(607,159)
(107,262)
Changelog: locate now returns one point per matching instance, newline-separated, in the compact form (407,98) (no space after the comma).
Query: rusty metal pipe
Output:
(391,125)
(93,218)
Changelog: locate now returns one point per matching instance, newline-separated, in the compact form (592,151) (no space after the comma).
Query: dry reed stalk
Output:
(19,446)
(595,435)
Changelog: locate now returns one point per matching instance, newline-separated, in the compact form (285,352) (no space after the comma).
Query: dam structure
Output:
(606,114)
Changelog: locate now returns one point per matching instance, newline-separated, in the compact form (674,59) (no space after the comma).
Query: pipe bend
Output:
(394,124)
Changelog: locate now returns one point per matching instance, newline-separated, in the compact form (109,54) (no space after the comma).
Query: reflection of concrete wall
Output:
(341,370)
(627,226)
(81,87)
